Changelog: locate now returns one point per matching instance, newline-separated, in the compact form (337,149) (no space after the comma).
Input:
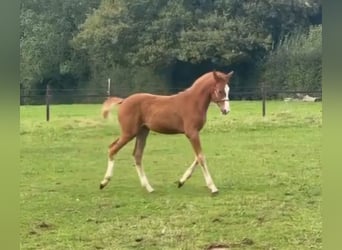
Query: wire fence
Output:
(50,96)
(93,96)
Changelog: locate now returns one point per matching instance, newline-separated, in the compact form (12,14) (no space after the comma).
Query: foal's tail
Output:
(109,104)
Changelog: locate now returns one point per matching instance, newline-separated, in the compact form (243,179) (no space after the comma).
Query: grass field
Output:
(267,170)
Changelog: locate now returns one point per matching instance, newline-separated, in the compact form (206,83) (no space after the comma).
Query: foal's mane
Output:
(207,78)
(203,78)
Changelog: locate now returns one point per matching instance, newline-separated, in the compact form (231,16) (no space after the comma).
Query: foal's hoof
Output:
(180,184)
(102,186)
(214,193)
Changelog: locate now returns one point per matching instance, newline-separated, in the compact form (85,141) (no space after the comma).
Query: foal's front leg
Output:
(196,144)
(207,176)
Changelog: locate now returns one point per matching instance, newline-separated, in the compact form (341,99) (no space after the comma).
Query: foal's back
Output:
(163,114)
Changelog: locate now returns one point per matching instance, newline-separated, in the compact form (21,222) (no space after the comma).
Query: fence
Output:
(51,96)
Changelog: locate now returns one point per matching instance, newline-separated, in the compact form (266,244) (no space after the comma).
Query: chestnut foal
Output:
(184,113)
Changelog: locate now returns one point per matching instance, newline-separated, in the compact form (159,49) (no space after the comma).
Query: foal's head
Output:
(220,95)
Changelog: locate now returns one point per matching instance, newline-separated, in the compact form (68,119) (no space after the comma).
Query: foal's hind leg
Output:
(187,174)
(113,149)
(138,153)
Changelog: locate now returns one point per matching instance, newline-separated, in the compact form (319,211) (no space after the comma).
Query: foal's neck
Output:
(201,97)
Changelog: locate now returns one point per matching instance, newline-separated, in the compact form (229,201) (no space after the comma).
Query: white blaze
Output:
(226,103)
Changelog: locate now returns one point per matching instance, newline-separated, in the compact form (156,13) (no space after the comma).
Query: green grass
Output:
(268,172)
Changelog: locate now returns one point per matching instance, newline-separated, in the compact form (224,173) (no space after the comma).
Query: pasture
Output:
(267,170)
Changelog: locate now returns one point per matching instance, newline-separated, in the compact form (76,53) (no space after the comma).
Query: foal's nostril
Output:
(225,111)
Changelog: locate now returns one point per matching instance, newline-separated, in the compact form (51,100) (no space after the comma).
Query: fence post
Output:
(263,93)
(108,88)
(47,100)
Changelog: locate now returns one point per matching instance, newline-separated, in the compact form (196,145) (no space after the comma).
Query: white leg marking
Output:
(209,181)
(143,179)
(110,167)
(109,172)
(189,171)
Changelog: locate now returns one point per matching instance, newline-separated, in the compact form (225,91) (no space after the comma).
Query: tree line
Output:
(145,45)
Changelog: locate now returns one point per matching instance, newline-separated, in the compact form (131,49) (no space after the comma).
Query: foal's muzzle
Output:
(224,111)
(224,106)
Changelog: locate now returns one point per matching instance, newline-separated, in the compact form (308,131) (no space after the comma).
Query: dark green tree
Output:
(163,34)
(296,63)
(47,27)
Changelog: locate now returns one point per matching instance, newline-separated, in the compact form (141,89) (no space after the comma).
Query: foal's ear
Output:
(229,75)
(216,76)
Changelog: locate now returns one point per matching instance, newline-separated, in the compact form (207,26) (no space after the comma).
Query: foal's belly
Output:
(165,123)
(164,129)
